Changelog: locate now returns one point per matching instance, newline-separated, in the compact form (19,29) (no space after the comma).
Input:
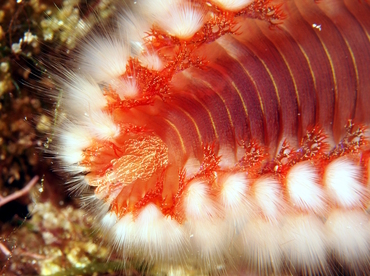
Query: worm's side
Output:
(226,134)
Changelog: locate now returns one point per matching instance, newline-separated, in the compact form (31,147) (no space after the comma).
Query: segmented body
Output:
(238,142)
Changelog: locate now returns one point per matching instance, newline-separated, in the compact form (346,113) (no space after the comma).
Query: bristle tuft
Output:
(341,180)
(267,193)
(304,190)
(105,58)
(182,21)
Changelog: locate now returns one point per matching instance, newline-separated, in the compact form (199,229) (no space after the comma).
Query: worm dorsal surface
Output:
(226,135)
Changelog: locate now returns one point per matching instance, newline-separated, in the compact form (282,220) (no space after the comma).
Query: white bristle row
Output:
(250,222)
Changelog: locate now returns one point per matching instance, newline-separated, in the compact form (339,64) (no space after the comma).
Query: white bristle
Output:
(204,222)
(135,26)
(191,166)
(304,243)
(151,61)
(125,88)
(176,240)
(341,179)
(236,201)
(234,190)
(210,242)
(72,141)
(159,237)
(108,221)
(182,21)
(303,188)
(155,8)
(101,125)
(232,5)
(104,58)
(349,236)
(123,234)
(82,95)
(268,197)
(198,203)
(260,246)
